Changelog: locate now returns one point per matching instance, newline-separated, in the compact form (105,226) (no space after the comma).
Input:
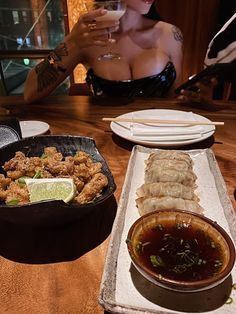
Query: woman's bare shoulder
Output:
(169,31)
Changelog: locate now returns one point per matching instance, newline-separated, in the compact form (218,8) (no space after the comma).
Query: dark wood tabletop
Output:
(59,269)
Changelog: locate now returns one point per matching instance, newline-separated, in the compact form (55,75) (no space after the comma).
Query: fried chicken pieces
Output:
(86,174)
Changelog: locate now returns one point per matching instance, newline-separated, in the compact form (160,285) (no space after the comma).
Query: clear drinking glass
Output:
(115,10)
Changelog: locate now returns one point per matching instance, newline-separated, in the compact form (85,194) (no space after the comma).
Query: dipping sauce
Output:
(179,252)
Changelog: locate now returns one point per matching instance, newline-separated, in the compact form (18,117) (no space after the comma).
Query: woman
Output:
(150,63)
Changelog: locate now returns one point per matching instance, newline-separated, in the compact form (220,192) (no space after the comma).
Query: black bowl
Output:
(54,212)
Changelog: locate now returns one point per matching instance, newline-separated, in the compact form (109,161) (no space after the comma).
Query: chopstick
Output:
(157,121)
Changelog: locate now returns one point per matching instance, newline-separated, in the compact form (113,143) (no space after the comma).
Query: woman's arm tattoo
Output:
(48,70)
(177,34)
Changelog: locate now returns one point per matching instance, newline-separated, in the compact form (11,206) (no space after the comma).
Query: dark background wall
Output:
(199,20)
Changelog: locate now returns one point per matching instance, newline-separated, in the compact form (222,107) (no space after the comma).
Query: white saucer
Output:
(33,128)
(123,129)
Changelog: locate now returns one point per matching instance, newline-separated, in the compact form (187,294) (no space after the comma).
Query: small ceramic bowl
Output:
(180,251)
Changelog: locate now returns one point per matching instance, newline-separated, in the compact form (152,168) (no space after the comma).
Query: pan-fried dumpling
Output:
(179,165)
(170,154)
(149,204)
(173,189)
(157,174)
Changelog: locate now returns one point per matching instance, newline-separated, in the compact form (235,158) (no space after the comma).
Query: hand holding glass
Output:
(115,10)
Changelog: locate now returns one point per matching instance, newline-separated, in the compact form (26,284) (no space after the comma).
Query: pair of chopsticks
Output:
(157,121)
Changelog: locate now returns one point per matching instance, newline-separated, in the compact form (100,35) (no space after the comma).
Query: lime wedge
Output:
(53,188)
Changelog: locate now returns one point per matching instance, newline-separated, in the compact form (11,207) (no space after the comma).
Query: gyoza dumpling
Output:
(170,154)
(149,204)
(173,189)
(156,174)
(179,165)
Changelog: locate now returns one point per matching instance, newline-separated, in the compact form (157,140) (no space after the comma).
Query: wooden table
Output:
(58,270)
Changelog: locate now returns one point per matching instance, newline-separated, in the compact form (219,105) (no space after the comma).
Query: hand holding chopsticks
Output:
(159,121)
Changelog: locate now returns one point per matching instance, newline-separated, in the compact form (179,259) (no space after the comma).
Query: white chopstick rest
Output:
(167,132)
(168,138)
(138,130)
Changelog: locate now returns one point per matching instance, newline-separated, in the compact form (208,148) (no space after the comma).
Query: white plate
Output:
(124,290)
(123,128)
(33,128)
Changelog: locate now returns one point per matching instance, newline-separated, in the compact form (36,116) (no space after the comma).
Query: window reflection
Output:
(14,72)
(39,23)
(26,26)
(15,17)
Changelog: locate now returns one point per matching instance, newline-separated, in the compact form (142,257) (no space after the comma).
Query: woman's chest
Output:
(138,59)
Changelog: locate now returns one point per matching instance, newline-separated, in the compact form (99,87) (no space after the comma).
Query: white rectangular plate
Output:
(123,289)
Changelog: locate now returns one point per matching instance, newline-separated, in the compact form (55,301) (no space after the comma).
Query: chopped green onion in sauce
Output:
(179,252)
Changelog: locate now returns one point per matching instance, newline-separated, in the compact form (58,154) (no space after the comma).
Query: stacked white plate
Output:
(163,134)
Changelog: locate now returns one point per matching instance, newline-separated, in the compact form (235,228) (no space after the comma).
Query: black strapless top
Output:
(151,86)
